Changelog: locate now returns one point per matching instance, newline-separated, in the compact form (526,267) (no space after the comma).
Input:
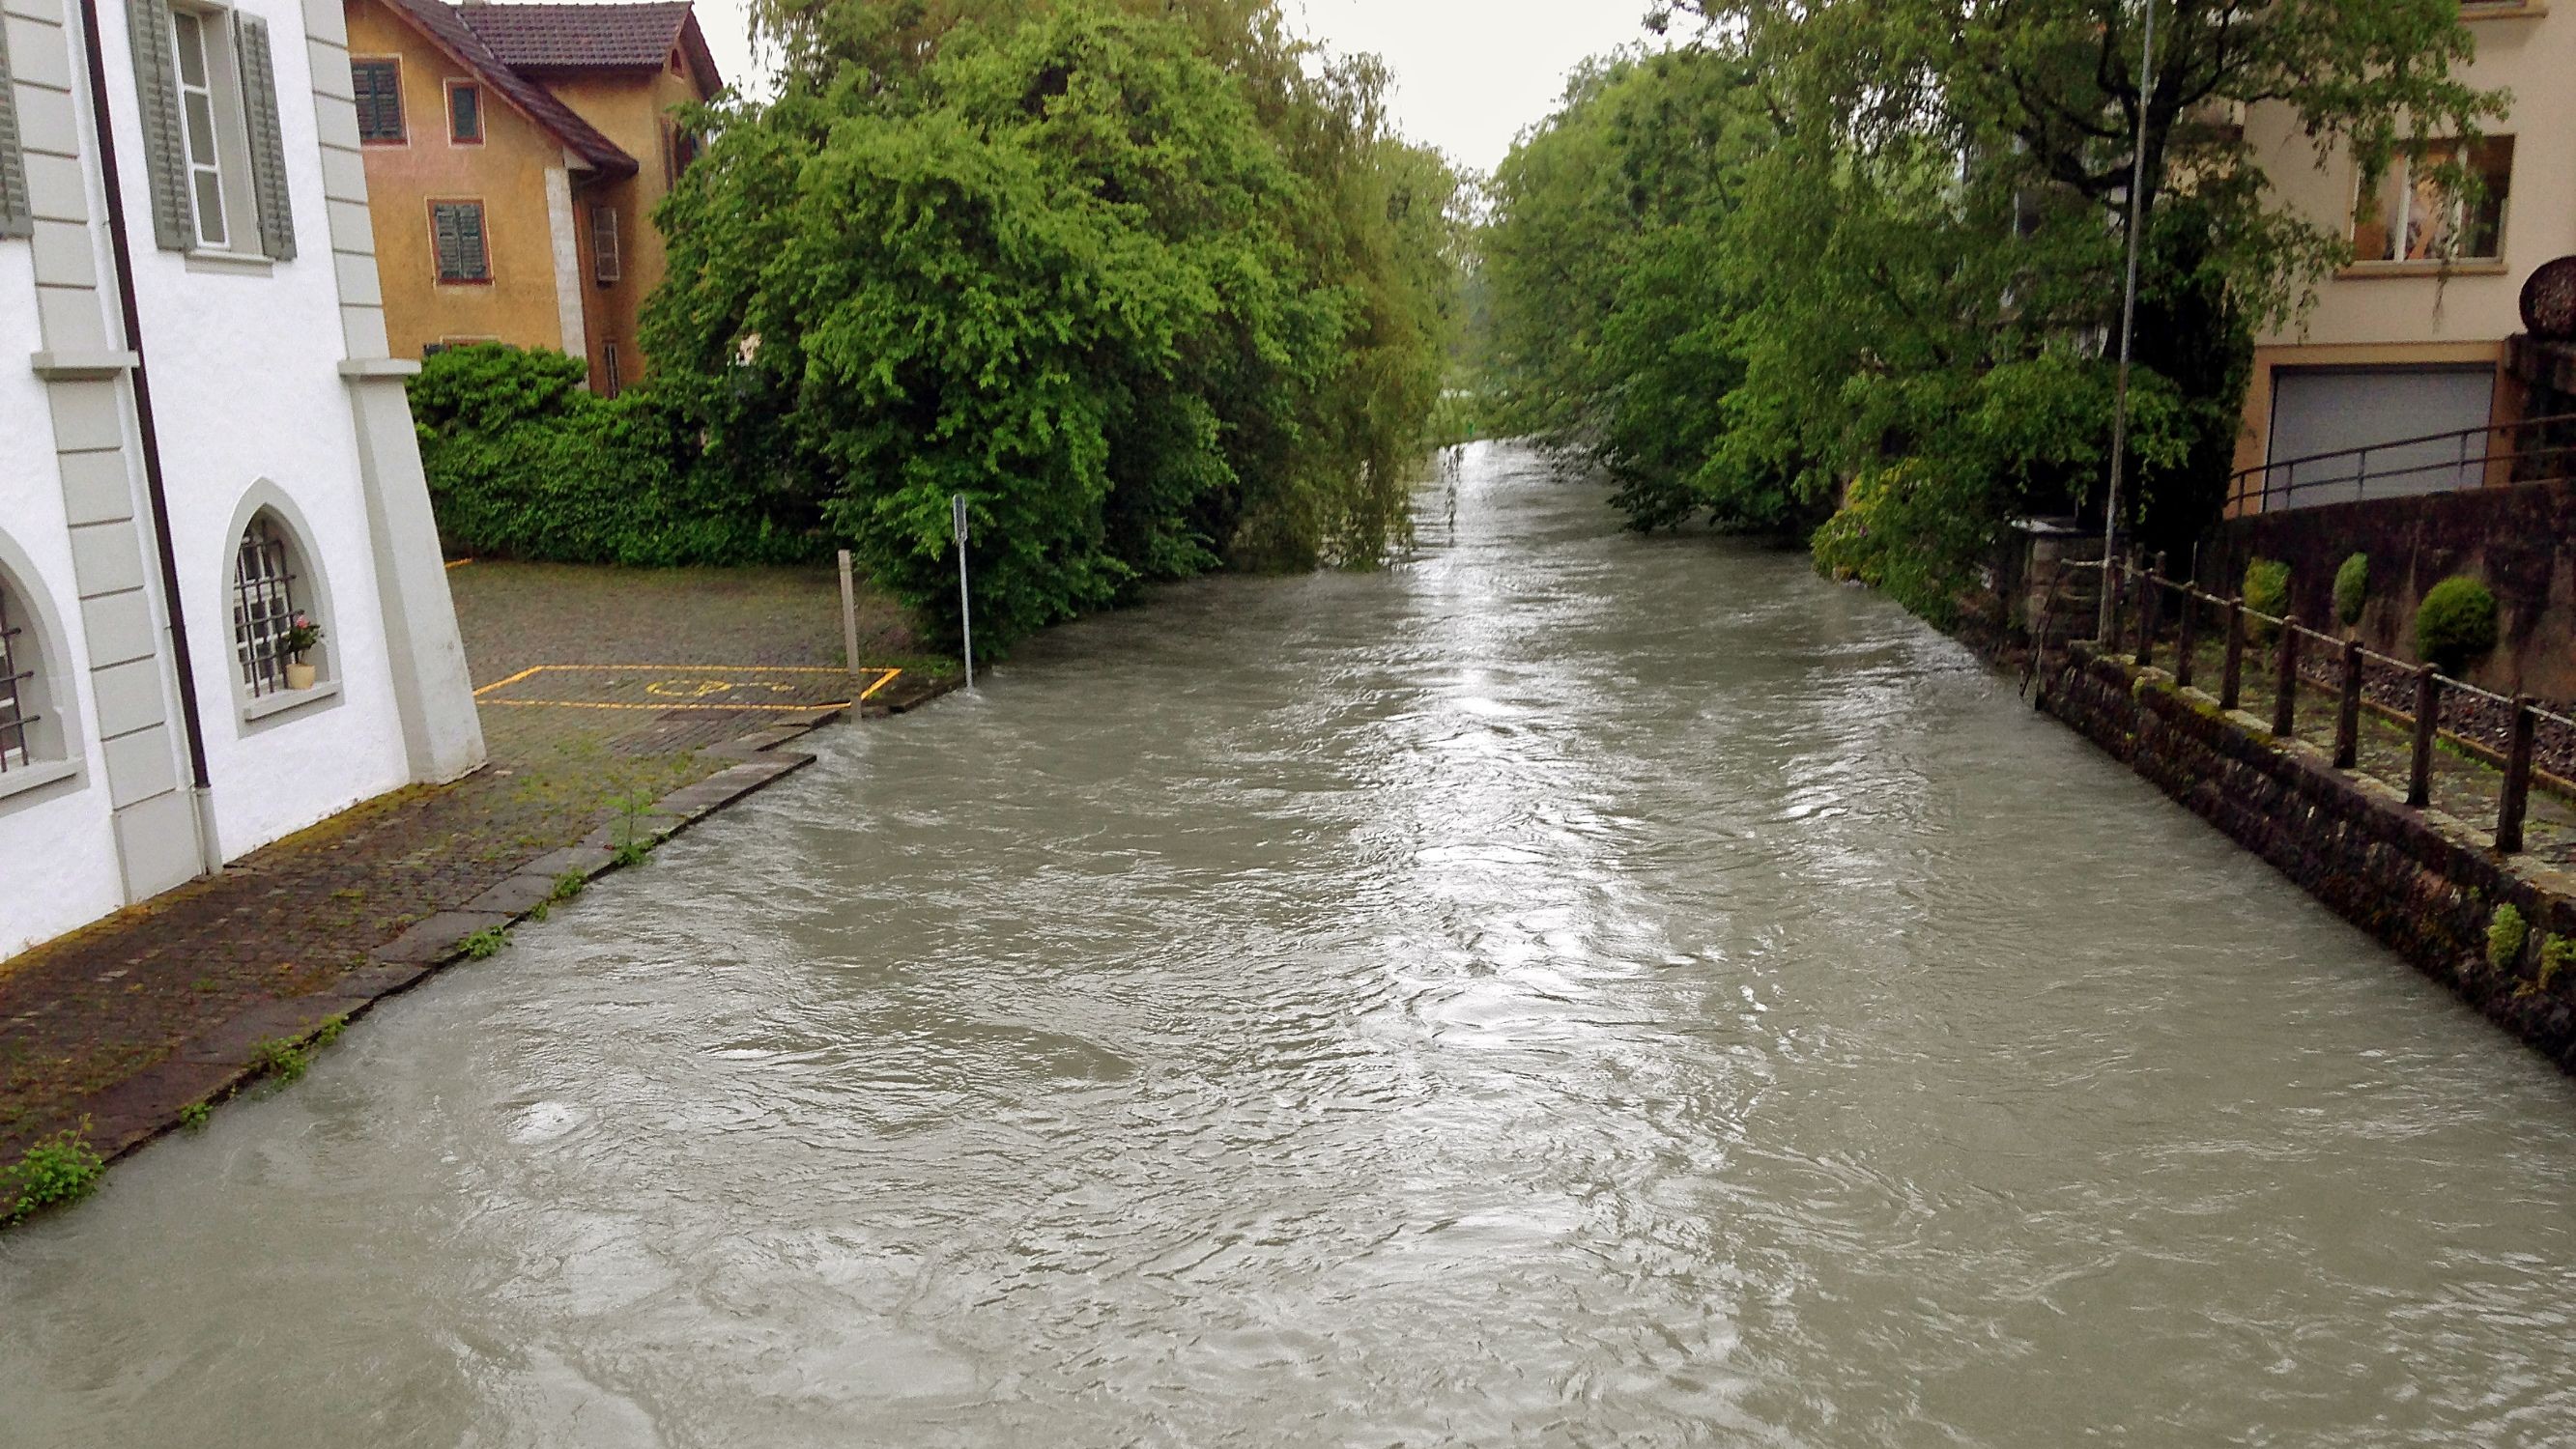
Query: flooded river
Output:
(1567,990)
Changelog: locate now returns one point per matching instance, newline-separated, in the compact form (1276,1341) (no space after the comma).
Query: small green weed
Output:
(632,846)
(2556,955)
(485,944)
(569,884)
(2506,936)
(543,910)
(329,1031)
(281,1059)
(61,1169)
(195,1115)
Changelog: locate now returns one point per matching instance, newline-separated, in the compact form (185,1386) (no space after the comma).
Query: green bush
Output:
(2556,954)
(523,463)
(2267,587)
(61,1169)
(2506,935)
(2352,589)
(2455,626)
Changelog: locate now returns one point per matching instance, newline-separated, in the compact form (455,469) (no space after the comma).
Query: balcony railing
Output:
(2522,452)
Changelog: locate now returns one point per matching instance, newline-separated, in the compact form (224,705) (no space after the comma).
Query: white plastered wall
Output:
(61,867)
(244,370)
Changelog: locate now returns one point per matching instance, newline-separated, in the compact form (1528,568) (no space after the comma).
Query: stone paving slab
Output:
(129,1022)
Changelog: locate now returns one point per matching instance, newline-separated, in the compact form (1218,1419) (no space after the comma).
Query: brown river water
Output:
(1569,989)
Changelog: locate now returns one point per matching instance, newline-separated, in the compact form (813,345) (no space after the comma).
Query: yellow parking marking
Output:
(693,687)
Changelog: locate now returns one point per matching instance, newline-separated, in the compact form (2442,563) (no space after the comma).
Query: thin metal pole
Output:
(2129,301)
(965,598)
(849,617)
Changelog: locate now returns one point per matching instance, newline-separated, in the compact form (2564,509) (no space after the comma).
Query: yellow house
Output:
(514,155)
(2413,339)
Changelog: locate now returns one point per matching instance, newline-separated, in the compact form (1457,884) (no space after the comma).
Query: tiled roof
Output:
(581,37)
(441,23)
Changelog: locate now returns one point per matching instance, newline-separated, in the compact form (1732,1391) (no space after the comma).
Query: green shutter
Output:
(165,154)
(267,145)
(17,216)
(478,261)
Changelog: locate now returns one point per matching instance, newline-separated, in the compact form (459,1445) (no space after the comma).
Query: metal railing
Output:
(2303,657)
(2408,466)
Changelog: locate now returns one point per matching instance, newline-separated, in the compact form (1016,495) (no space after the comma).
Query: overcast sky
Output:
(1469,73)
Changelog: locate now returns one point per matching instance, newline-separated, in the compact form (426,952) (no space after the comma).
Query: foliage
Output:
(195,1116)
(2507,932)
(2455,626)
(277,1057)
(1146,288)
(485,944)
(302,634)
(523,463)
(53,1172)
(2352,589)
(2556,954)
(633,844)
(2267,587)
(1866,255)
(569,884)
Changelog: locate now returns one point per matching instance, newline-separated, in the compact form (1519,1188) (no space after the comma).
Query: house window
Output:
(378,84)
(605,262)
(464,114)
(457,241)
(264,605)
(609,372)
(197,114)
(679,149)
(2419,214)
(19,715)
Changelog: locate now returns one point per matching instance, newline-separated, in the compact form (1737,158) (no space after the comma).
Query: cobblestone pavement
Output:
(723,654)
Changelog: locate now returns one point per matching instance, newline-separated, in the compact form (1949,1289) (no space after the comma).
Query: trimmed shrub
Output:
(524,463)
(2352,589)
(2456,624)
(2267,587)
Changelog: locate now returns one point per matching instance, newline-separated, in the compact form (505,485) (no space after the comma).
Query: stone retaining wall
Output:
(2423,882)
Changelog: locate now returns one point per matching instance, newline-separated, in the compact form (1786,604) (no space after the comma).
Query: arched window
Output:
(21,717)
(36,728)
(271,608)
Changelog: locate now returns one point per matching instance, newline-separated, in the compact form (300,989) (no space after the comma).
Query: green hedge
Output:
(2455,626)
(524,463)
(2352,589)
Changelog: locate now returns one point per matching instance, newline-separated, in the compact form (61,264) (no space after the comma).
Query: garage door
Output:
(2330,410)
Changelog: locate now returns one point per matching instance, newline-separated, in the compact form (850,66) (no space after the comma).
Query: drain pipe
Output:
(200,786)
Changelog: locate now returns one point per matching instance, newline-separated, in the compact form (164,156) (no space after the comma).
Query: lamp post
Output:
(2128,321)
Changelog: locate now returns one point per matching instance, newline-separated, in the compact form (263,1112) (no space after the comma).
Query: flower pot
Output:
(299,676)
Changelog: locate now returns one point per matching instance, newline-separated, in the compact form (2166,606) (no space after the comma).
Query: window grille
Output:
(17,667)
(263,608)
(606,265)
(613,378)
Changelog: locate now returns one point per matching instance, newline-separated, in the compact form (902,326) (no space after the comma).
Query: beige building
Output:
(2412,339)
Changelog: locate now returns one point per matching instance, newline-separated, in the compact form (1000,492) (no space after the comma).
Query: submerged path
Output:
(1567,990)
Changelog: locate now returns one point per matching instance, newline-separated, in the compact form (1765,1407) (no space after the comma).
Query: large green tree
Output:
(1917,241)
(1147,289)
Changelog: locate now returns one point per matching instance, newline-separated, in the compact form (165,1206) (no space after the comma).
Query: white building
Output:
(205,438)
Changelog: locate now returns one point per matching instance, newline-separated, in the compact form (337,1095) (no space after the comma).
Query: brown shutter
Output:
(17,214)
(606,260)
(267,142)
(165,147)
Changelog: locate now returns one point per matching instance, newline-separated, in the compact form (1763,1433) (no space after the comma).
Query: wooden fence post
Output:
(2517,779)
(2231,678)
(2347,752)
(2285,703)
(2428,729)
(2151,597)
(2185,635)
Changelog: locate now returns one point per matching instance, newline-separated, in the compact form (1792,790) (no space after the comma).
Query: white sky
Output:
(1469,73)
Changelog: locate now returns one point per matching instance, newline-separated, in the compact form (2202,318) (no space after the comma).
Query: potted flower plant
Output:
(301,636)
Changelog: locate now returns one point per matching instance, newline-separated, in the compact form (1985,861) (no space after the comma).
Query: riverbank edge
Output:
(234,1056)
(2425,884)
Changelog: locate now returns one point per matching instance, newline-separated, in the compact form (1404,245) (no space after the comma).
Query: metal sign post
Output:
(965,600)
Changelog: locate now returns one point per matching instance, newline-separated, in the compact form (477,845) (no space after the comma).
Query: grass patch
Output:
(485,944)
